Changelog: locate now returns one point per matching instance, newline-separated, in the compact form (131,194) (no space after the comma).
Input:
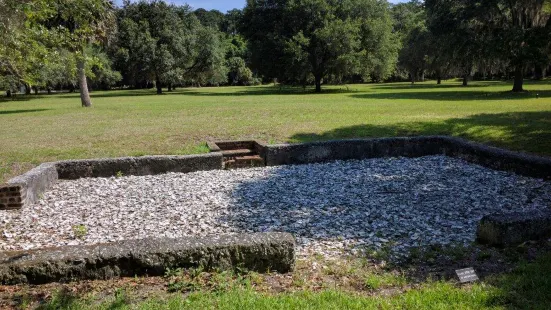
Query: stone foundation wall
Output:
(33,183)
(146,165)
(306,153)
(476,153)
(28,187)
(260,252)
(497,159)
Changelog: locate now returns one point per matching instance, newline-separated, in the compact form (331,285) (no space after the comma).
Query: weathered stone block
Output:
(146,165)
(514,228)
(261,252)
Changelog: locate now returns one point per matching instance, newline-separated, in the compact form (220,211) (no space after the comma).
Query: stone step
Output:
(514,228)
(237,153)
(244,162)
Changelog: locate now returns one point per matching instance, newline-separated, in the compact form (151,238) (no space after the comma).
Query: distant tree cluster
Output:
(315,41)
(487,38)
(50,45)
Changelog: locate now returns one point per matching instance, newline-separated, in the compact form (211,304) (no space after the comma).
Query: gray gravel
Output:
(334,208)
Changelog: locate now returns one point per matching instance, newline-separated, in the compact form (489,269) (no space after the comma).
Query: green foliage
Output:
(22,55)
(513,34)
(210,19)
(304,40)
(168,45)
(80,231)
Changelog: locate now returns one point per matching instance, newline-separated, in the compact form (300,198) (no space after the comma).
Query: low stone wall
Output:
(491,157)
(514,228)
(498,159)
(260,252)
(146,165)
(28,187)
(306,153)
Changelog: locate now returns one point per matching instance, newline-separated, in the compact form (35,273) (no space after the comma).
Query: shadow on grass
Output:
(433,86)
(527,287)
(520,131)
(22,111)
(455,95)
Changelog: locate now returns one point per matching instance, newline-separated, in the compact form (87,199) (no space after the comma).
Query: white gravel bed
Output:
(332,208)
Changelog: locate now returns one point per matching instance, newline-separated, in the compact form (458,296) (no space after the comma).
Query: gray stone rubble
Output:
(333,208)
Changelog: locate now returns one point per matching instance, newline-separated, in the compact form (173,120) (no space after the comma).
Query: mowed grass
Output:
(37,129)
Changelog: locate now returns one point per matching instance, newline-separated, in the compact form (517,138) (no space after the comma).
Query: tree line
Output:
(92,44)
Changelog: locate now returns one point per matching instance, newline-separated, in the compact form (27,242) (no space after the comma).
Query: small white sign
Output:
(466,275)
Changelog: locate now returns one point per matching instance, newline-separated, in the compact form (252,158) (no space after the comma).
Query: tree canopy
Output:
(298,41)
(92,44)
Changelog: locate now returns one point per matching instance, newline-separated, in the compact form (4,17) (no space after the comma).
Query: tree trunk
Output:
(169,87)
(519,79)
(159,86)
(318,83)
(538,72)
(8,93)
(422,76)
(439,80)
(465,80)
(49,89)
(412,77)
(83,83)
(27,89)
(36,90)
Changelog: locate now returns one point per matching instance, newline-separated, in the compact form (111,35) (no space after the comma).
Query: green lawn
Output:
(46,128)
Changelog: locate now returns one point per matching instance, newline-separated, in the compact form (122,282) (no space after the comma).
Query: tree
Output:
(324,44)
(231,22)
(167,44)
(75,25)
(152,42)
(213,18)
(22,54)
(290,40)
(265,27)
(409,25)
(491,31)
(524,29)
(208,56)
(414,55)
(460,35)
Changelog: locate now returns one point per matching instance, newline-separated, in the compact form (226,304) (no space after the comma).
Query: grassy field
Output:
(46,128)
